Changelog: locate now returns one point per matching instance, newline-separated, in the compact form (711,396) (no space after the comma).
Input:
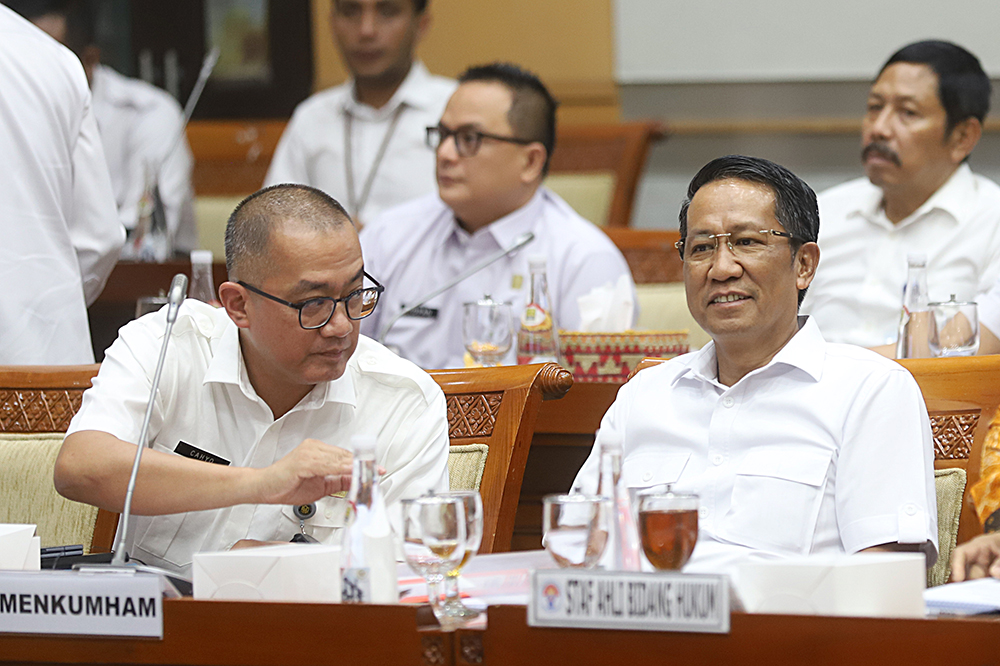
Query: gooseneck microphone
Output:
(518,243)
(177,294)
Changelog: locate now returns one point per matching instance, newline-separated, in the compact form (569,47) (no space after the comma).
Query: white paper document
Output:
(20,549)
(966,598)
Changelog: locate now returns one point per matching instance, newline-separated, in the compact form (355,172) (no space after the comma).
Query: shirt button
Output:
(717,459)
(910,509)
(703,512)
(329,513)
(728,401)
(370,361)
(647,476)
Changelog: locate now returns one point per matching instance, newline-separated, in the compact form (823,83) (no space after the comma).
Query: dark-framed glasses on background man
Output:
(316,312)
(467,139)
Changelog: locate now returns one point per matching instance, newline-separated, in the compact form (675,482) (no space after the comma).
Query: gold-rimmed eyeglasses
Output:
(745,244)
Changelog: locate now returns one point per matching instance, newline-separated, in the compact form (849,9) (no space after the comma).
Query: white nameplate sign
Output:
(662,601)
(71,602)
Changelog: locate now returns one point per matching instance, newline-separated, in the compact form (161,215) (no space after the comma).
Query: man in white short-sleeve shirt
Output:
(493,144)
(363,141)
(60,233)
(258,401)
(784,436)
(924,117)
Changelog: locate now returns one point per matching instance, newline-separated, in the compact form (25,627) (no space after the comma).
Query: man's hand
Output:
(311,471)
(977,558)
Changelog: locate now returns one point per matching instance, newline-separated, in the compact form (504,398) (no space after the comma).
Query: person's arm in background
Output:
(95,231)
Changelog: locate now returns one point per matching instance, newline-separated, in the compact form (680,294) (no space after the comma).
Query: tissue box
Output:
(865,584)
(20,549)
(292,572)
(610,357)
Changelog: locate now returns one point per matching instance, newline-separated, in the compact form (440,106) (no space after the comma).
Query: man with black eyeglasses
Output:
(795,446)
(258,400)
(493,146)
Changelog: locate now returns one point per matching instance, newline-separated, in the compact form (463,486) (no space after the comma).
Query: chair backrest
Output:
(650,253)
(43,399)
(949,486)
(619,150)
(498,407)
(961,395)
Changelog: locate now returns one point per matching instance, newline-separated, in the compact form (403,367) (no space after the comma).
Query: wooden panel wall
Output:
(568,44)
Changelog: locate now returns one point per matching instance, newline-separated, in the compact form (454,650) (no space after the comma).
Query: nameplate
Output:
(662,601)
(72,602)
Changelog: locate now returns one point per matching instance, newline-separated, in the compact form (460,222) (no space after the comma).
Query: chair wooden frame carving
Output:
(962,395)
(620,148)
(499,406)
(38,399)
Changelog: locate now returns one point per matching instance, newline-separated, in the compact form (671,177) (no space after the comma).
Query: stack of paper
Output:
(966,598)
(20,549)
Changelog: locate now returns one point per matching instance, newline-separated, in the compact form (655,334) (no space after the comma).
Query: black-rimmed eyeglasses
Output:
(316,312)
(467,140)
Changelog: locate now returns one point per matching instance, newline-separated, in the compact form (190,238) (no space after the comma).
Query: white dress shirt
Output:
(140,126)
(60,232)
(205,400)
(857,293)
(826,449)
(418,247)
(312,148)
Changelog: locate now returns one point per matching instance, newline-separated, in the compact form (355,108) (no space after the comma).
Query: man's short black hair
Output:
(532,112)
(79,15)
(795,204)
(963,87)
(248,231)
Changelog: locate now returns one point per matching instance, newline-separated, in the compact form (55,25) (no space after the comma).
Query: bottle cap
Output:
(364,446)
(201,256)
(916,259)
(536,262)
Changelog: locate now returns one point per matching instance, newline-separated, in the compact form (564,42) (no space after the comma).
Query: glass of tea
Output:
(668,528)
(575,529)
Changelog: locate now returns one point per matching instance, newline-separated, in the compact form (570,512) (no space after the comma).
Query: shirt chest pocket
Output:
(776,498)
(643,470)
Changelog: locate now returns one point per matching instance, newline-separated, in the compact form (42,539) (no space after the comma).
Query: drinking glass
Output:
(487,330)
(575,529)
(434,542)
(668,528)
(473,504)
(954,328)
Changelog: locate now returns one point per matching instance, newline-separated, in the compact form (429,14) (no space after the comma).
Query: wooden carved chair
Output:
(650,253)
(36,406)
(498,407)
(601,165)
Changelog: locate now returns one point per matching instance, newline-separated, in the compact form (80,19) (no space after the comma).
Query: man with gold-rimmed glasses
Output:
(784,437)
(258,400)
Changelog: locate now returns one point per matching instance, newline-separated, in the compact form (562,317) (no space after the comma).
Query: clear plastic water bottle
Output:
(202,282)
(915,316)
(623,534)
(538,339)
(369,554)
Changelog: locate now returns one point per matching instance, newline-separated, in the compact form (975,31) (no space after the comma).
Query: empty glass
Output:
(954,328)
(487,330)
(434,542)
(668,528)
(453,606)
(575,528)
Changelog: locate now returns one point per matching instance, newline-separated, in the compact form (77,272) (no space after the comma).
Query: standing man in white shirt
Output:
(259,399)
(925,115)
(493,145)
(784,437)
(141,126)
(61,234)
(363,142)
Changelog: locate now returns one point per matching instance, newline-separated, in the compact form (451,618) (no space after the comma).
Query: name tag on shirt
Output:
(424,312)
(188,451)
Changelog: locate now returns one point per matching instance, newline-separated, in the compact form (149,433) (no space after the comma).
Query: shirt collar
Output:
(414,91)
(509,227)
(227,367)
(953,198)
(804,351)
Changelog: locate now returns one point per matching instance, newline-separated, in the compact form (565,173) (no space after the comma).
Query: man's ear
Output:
(234,299)
(423,25)
(963,138)
(806,261)
(534,162)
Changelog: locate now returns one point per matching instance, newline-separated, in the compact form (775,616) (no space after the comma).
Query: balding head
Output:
(250,227)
